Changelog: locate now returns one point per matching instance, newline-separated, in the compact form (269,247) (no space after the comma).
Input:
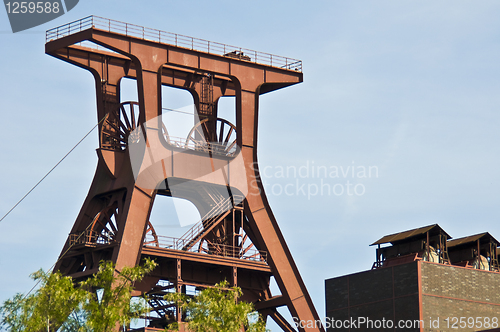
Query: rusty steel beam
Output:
(202,258)
(274,302)
(280,320)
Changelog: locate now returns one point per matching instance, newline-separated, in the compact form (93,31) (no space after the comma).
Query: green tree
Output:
(44,310)
(110,303)
(217,309)
(98,304)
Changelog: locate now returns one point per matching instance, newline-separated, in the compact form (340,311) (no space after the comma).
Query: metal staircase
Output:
(206,224)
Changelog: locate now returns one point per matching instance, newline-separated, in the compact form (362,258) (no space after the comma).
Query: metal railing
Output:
(222,250)
(163,37)
(89,237)
(202,145)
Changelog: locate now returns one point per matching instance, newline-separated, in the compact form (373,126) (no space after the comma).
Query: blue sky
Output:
(408,87)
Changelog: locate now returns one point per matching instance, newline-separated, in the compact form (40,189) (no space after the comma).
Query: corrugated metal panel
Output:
(408,234)
(472,238)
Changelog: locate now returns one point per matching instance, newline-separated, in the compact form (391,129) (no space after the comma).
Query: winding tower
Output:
(214,167)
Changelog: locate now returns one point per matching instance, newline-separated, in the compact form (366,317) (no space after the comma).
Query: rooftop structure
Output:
(478,251)
(429,243)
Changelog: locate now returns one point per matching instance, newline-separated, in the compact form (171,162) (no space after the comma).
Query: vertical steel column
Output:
(178,288)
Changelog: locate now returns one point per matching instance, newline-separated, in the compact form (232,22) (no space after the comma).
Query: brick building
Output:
(413,286)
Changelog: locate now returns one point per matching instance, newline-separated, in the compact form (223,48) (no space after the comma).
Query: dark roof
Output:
(433,229)
(472,238)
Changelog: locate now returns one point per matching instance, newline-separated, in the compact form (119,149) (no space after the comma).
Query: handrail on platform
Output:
(163,37)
